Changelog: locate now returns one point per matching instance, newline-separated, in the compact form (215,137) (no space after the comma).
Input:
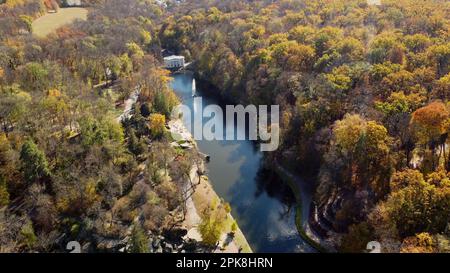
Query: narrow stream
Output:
(262,205)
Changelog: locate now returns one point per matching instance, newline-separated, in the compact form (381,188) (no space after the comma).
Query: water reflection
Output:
(262,205)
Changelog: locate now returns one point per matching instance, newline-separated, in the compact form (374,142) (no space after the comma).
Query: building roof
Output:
(173,57)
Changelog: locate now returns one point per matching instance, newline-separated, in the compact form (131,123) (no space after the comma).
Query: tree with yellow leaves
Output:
(212,223)
(420,243)
(363,147)
(157,125)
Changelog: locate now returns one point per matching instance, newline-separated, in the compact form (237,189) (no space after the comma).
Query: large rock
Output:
(190,245)
(156,243)
(175,236)
(159,250)
(86,248)
(110,245)
(168,248)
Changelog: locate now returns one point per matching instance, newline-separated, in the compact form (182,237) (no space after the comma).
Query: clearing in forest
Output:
(48,23)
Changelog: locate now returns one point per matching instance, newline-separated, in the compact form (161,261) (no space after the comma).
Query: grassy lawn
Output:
(48,23)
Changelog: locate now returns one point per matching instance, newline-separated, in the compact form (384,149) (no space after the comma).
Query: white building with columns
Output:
(174,61)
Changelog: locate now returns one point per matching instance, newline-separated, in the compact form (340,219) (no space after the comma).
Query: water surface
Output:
(261,204)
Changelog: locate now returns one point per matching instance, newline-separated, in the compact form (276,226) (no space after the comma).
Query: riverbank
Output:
(202,196)
(205,195)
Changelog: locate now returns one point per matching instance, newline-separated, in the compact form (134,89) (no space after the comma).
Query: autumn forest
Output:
(363,91)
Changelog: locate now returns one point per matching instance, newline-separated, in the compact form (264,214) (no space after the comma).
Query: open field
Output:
(51,21)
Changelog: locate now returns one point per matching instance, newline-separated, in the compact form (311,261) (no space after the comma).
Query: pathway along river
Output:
(263,206)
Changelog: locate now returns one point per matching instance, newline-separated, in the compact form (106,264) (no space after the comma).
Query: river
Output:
(261,203)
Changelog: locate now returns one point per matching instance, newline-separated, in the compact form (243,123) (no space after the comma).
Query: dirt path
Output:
(132,99)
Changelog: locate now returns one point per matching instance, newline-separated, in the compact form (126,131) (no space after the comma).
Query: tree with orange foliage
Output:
(430,126)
